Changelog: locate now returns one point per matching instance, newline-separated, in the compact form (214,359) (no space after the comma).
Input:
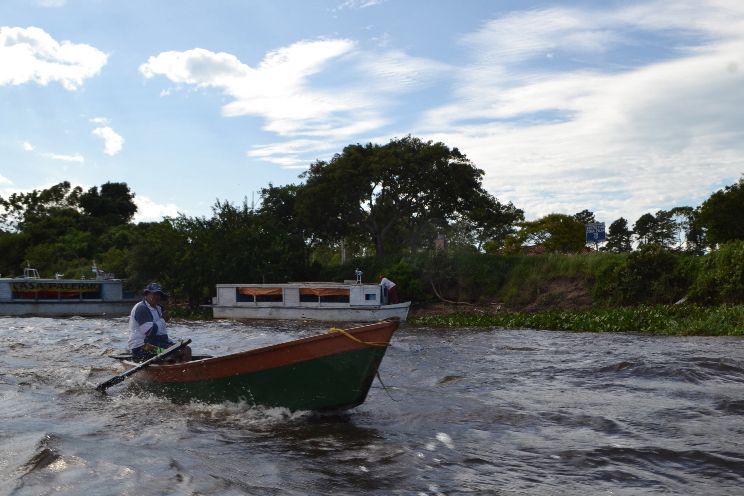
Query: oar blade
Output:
(111,382)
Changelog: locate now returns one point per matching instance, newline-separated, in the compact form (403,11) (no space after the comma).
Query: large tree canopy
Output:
(721,214)
(56,229)
(396,194)
(113,205)
(21,210)
(555,232)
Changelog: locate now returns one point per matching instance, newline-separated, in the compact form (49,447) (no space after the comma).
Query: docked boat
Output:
(350,301)
(331,371)
(31,295)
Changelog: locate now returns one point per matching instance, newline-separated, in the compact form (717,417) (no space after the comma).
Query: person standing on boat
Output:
(147,327)
(388,289)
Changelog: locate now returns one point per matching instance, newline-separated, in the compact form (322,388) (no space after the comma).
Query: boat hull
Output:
(327,314)
(31,296)
(328,372)
(66,308)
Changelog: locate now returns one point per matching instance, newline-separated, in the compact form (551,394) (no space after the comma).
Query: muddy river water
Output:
(462,411)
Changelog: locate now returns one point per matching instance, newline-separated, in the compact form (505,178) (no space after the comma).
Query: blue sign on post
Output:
(595,233)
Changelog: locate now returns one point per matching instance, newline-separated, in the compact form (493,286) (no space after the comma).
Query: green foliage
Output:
(406,274)
(115,261)
(659,229)
(390,200)
(585,217)
(13,249)
(465,275)
(657,319)
(61,229)
(691,237)
(619,237)
(650,275)
(154,255)
(398,195)
(20,210)
(112,206)
(721,278)
(556,232)
(721,214)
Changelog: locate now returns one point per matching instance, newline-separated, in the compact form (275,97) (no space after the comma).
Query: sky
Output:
(620,108)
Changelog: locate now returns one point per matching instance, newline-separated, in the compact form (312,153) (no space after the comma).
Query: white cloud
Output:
(150,211)
(398,72)
(281,90)
(112,142)
(617,140)
(32,55)
(359,4)
(52,3)
(65,158)
(5,180)
(291,154)
(27,146)
(277,89)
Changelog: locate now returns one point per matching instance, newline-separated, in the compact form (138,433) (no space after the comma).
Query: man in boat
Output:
(147,327)
(388,288)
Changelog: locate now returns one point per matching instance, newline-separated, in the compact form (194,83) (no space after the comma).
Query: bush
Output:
(651,275)
(721,277)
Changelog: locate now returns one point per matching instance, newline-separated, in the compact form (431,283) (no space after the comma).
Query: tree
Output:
(659,229)
(112,206)
(556,232)
(585,217)
(643,228)
(491,221)
(395,195)
(689,234)
(664,229)
(619,237)
(721,215)
(21,210)
(57,229)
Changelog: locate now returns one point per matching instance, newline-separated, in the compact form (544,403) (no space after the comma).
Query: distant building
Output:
(440,243)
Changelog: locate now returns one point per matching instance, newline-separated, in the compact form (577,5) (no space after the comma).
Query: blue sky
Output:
(621,108)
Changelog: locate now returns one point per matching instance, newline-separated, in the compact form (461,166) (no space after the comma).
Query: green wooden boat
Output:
(332,371)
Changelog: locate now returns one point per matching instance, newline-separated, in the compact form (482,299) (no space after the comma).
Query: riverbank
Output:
(678,320)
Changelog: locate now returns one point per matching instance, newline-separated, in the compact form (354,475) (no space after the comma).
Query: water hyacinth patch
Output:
(725,320)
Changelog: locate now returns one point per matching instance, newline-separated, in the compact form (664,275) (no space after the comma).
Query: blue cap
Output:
(154,287)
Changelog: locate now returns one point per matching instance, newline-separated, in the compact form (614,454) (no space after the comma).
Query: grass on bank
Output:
(679,320)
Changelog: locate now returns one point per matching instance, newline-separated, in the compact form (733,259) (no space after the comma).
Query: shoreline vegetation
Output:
(651,290)
(415,212)
(672,320)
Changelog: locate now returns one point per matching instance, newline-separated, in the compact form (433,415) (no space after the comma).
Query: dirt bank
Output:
(561,293)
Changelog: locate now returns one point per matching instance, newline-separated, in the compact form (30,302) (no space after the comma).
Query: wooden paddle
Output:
(157,358)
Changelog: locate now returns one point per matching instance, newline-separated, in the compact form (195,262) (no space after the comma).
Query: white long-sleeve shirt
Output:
(142,319)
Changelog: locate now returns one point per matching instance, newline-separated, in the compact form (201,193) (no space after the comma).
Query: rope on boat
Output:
(377,345)
(354,338)
(384,387)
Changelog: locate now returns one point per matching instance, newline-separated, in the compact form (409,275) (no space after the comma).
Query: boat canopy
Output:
(324,291)
(260,291)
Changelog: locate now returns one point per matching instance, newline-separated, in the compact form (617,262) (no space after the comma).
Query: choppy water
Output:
(465,412)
